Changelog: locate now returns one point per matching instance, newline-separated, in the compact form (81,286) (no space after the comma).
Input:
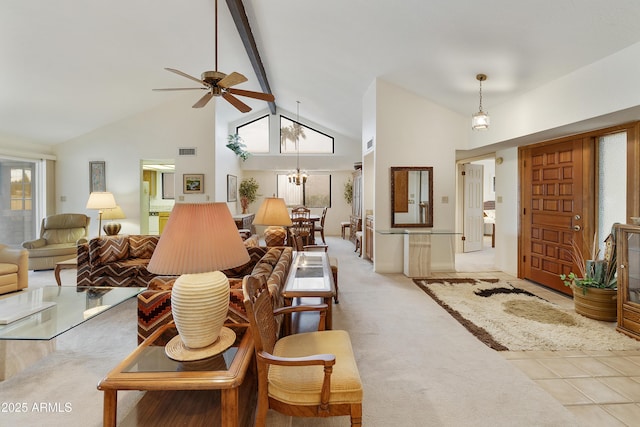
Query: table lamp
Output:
(112,228)
(199,239)
(101,200)
(273,212)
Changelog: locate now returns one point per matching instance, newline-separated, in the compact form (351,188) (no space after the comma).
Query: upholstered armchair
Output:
(312,374)
(13,269)
(59,236)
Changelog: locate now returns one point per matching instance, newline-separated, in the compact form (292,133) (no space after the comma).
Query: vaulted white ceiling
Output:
(68,67)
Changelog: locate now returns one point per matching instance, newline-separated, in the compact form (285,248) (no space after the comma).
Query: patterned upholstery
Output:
(116,261)
(154,304)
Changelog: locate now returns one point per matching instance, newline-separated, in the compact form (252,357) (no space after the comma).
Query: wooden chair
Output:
(320,228)
(303,228)
(301,212)
(313,374)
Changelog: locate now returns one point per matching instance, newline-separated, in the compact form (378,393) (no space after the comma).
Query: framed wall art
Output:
(97,177)
(193,183)
(232,188)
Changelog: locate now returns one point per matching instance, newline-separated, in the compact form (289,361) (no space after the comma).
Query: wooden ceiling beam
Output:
(246,35)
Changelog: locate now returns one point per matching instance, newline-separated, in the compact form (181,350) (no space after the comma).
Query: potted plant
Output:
(348,191)
(595,288)
(236,145)
(248,192)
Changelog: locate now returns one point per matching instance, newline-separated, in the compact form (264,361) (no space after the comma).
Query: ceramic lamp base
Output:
(111,229)
(199,303)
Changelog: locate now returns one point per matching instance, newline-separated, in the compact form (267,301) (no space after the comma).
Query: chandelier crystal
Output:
(297,177)
(480,120)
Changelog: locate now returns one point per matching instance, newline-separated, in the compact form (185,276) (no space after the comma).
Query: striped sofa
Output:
(116,260)
(270,263)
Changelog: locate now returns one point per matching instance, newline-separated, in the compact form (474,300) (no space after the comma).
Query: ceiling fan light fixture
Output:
(481,119)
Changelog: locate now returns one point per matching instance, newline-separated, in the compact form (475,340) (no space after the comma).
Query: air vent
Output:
(370,144)
(186,151)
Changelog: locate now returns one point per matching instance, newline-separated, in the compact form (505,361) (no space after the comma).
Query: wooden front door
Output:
(558,207)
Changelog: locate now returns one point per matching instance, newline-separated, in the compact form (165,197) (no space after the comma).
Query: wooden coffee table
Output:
(70,264)
(165,380)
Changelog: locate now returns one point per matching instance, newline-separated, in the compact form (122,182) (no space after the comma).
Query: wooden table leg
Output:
(110,410)
(230,408)
(328,301)
(56,273)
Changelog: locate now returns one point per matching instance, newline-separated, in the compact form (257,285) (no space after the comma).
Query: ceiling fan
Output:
(217,83)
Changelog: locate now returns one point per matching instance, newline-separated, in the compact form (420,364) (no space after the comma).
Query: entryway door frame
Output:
(585,148)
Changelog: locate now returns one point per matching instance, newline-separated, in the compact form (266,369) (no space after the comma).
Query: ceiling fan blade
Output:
(244,108)
(232,80)
(182,88)
(251,94)
(203,101)
(180,73)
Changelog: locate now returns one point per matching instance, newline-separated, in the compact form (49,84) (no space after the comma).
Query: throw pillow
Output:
(142,246)
(104,250)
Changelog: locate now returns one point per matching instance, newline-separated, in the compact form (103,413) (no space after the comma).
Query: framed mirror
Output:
(411,196)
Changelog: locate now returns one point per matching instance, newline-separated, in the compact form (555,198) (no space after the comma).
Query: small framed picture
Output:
(97,178)
(232,188)
(193,183)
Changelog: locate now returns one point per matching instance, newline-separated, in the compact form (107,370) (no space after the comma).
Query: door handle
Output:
(576,228)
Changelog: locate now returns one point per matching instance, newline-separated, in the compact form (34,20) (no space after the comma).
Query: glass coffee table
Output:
(310,277)
(222,386)
(32,319)
(52,310)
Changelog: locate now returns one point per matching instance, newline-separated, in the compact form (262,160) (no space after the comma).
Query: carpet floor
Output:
(419,367)
(505,317)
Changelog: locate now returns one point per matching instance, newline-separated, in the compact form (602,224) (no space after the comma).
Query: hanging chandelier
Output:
(296,177)
(480,120)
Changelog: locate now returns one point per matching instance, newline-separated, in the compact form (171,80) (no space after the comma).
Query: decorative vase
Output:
(596,303)
(199,303)
(244,202)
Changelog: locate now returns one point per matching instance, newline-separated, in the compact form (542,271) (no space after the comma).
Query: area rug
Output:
(507,318)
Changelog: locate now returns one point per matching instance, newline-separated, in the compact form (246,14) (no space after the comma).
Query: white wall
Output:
(411,131)
(154,134)
(606,86)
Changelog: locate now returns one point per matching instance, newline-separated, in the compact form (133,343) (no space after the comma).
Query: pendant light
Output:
(480,120)
(296,177)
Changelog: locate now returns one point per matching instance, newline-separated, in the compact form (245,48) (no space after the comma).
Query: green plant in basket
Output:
(594,272)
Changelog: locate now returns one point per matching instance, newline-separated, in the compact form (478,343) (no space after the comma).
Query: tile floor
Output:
(601,388)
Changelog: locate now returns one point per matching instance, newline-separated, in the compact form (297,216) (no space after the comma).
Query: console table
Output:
(245,221)
(310,276)
(426,250)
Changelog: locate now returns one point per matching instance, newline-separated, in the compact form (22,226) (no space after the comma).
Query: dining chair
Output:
(303,228)
(301,212)
(311,374)
(320,228)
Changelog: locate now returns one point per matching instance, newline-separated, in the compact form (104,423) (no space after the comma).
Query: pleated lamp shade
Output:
(198,238)
(273,211)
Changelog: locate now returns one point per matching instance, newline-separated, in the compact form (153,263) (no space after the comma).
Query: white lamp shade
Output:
(101,200)
(115,213)
(198,238)
(273,211)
